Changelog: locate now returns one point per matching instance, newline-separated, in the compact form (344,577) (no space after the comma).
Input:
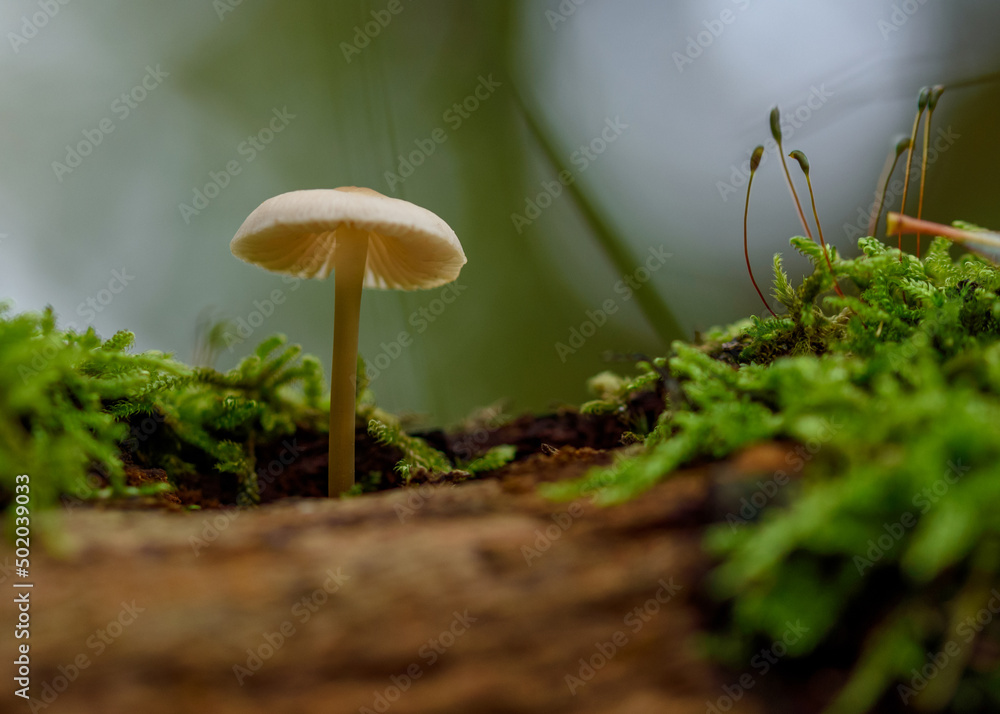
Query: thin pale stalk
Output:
(349,274)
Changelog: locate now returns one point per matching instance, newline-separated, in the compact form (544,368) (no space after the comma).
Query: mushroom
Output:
(368,240)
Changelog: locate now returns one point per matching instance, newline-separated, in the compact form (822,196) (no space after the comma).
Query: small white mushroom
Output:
(367,240)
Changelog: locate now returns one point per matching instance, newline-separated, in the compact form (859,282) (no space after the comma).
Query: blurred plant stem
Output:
(651,303)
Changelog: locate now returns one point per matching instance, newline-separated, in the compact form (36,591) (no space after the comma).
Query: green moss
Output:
(215,420)
(894,393)
(417,454)
(74,409)
(495,458)
(71,404)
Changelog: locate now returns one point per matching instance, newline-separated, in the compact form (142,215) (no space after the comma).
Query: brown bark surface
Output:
(482,597)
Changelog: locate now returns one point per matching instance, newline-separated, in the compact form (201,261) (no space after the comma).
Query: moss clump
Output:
(74,409)
(71,406)
(895,389)
(214,420)
(57,391)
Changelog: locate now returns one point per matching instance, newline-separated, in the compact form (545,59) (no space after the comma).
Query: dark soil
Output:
(297,466)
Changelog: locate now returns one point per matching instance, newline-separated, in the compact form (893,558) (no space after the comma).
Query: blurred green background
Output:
(138,135)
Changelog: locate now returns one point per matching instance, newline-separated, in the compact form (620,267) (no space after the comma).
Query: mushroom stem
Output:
(349,274)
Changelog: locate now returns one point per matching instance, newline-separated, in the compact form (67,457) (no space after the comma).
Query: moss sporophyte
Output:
(887,541)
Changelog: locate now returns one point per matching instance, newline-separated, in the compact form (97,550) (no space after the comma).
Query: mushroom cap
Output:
(296,233)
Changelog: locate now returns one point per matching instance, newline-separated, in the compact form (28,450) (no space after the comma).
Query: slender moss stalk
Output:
(932,100)
(902,144)
(754,163)
(776,133)
(804,165)
(922,100)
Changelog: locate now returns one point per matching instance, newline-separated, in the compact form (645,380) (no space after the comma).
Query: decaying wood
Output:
(481,597)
